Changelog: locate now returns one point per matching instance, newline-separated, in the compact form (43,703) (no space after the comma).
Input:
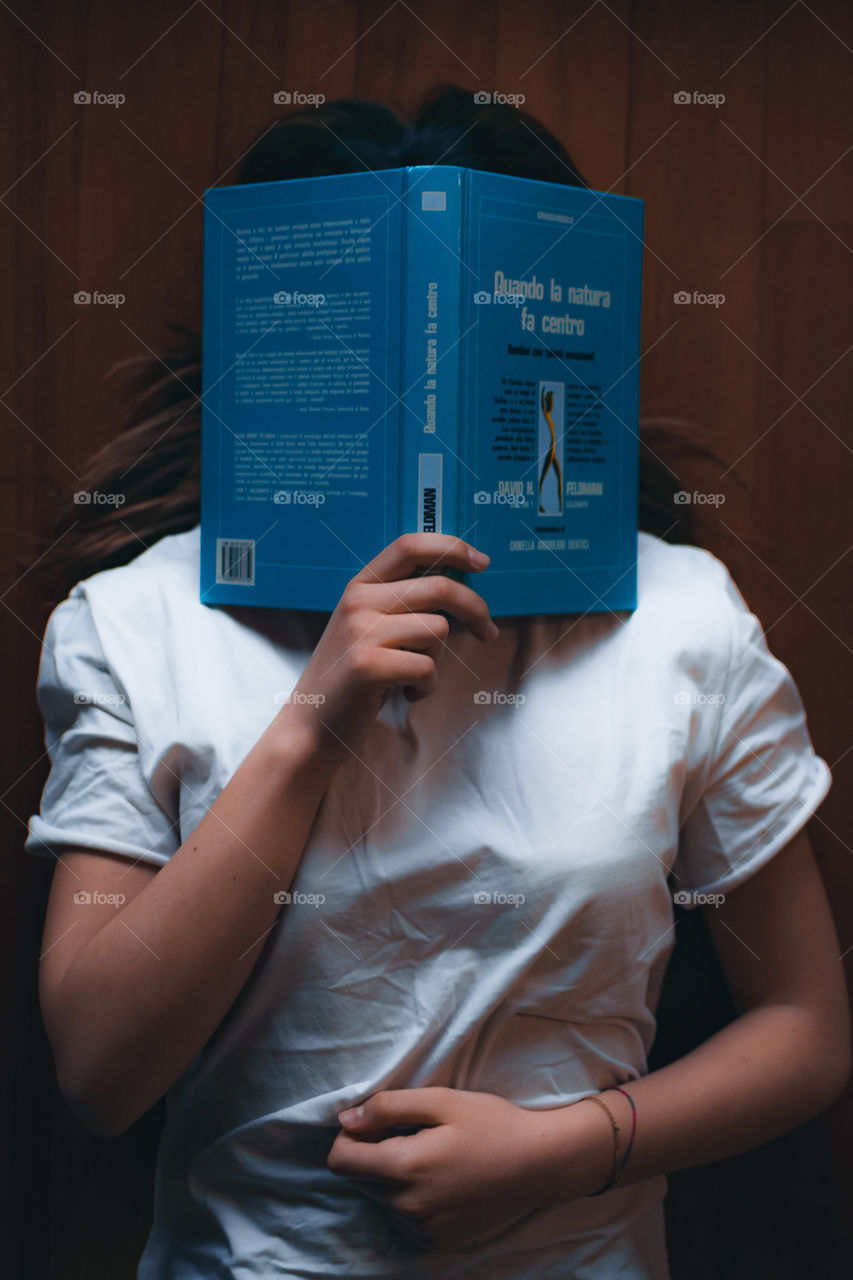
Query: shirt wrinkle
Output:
(484,901)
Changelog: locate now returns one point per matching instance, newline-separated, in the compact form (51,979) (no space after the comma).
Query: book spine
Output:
(433,278)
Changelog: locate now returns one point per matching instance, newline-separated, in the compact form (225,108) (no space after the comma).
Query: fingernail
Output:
(492,630)
(351,1114)
(479,558)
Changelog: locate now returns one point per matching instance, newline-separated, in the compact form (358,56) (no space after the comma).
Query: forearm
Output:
(763,1074)
(142,997)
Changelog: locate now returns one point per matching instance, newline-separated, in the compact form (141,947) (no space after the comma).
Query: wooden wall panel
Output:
(305,55)
(803,547)
(144,167)
(571,61)
(38,227)
(110,199)
(104,202)
(404,49)
(808,146)
(703,208)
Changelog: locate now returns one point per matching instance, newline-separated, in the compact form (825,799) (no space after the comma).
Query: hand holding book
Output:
(387,629)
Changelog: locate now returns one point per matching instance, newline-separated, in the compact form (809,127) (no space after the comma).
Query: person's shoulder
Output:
(163,576)
(117,609)
(663,566)
(686,595)
(112,621)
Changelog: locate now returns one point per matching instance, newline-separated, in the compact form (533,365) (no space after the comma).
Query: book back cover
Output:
(300,360)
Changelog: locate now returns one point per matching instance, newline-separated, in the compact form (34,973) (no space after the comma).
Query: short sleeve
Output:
(763,780)
(96,795)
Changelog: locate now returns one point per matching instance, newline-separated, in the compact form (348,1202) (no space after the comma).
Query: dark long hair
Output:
(154,460)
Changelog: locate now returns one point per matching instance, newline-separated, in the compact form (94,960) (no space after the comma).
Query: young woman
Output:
(392,953)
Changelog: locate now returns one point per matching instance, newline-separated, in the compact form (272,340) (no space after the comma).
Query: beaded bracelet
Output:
(618,1166)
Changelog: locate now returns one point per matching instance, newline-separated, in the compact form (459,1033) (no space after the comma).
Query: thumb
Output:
(392,1107)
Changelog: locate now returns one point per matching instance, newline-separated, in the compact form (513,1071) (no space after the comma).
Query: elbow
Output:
(98,1078)
(831,1067)
(92,1107)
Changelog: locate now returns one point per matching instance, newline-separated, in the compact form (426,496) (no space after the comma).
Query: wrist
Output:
(574,1152)
(299,749)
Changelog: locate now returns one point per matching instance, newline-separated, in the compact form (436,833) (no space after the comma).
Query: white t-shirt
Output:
(494,866)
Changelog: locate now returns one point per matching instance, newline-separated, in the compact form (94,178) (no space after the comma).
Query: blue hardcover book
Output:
(423,348)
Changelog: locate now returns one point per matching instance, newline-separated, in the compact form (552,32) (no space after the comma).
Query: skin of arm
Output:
(184,943)
(482,1162)
(130,993)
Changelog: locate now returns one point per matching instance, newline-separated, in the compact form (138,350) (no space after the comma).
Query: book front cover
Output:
(550,411)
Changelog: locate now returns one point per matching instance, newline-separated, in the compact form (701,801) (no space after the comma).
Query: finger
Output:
(377,1162)
(415,631)
(407,667)
(412,551)
(428,1106)
(433,650)
(425,634)
(438,593)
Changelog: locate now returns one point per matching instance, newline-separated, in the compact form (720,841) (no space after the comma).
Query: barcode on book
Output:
(235,561)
